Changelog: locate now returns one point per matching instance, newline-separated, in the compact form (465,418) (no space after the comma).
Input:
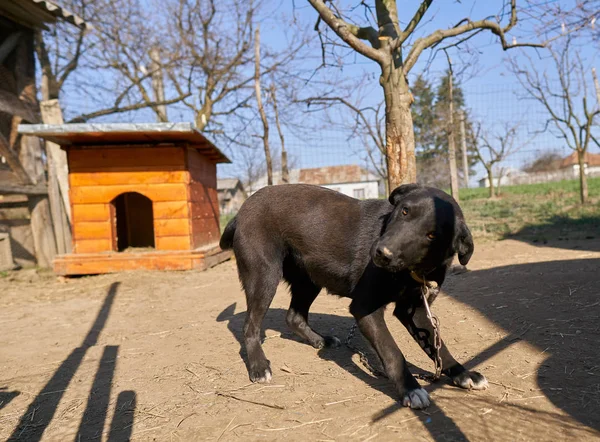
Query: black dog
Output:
(317,238)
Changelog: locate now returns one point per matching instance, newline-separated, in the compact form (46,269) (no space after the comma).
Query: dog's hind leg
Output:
(260,284)
(304,292)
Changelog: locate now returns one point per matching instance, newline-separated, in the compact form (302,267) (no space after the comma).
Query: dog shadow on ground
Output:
(551,305)
(339,326)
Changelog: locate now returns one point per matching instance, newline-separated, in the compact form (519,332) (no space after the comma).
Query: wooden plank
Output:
(105,194)
(170,209)
(12,105)
(13,161)
(138,157)
(121,262)
(205,231)
(173,243)
(52,114)
(93,245)
(171,227)
(203,210)
(8,45)
(128,177)
(92,230)
(15,189)
(91,212)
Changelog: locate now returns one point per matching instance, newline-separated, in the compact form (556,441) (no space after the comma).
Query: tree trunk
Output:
(583,187)
(399,131)
(490,173)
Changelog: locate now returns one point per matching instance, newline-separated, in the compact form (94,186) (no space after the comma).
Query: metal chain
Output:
(363,357)
(437,339)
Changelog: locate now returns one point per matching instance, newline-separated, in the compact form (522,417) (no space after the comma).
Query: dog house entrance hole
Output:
(134,221)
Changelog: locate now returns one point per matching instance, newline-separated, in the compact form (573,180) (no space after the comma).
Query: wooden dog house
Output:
(143,196)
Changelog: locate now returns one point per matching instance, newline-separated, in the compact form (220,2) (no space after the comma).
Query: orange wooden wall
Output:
(180,182)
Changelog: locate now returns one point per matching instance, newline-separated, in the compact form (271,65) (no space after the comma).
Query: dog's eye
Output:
(431,235)
(404,211)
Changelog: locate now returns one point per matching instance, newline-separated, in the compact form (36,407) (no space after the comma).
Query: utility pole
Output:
(158,85)
(463,136)
(451,145)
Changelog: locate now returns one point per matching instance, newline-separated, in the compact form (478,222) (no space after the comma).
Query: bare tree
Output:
(565,100)
(214,41)
(368,123)
(492,150)
(385,42)
(110,62)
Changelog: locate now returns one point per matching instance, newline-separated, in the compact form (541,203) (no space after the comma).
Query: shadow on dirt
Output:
(40,412)
(7,396)
(552,305)
(562,232)
(444,429)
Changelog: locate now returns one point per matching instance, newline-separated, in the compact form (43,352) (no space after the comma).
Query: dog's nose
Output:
(384,254)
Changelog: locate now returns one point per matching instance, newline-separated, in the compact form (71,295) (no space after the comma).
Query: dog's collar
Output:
(423,281)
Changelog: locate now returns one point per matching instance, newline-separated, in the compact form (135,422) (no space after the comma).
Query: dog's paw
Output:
(417,399)
(471,380)
(332,341)
(326,342)
(261,373)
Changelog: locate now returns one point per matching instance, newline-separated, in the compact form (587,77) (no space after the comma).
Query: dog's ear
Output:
(401,191)
(463,242)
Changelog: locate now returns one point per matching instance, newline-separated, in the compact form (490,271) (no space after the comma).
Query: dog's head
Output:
(425,229)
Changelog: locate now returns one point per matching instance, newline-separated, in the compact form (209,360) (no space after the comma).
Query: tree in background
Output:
(571,106)
(544,162)
(383,41)
(493,149)
(431,120)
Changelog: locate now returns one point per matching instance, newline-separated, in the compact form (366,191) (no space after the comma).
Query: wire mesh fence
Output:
(493,108)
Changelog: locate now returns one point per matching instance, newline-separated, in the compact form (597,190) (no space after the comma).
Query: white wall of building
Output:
(360,190)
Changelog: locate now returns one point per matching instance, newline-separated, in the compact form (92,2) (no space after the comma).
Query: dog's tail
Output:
(226,242)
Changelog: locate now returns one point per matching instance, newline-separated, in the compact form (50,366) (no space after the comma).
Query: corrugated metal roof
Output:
(36,13)
(85,134)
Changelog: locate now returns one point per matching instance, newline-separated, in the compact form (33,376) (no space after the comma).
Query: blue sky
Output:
(492,94)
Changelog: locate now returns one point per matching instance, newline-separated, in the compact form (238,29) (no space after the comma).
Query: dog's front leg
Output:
(413,315)
(373,327)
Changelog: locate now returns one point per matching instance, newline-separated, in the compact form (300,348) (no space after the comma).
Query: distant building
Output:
(351,180)
(565,169)
(506,179)
(591,164)
(231,195)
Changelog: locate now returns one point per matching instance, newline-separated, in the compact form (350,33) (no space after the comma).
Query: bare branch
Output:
(348,33)
(426,42)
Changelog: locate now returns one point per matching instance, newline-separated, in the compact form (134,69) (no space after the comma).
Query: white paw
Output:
(471,381)
(266,378)
(416,399)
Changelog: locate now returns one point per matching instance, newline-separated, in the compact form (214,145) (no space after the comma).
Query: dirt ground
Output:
(156,356)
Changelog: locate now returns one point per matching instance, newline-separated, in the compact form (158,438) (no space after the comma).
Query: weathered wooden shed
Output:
(26,180)
(143,196)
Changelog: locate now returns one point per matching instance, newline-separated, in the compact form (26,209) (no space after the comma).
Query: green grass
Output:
(535,212)
(224,220)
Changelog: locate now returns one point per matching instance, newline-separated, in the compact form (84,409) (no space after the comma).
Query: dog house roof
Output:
(84,134)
